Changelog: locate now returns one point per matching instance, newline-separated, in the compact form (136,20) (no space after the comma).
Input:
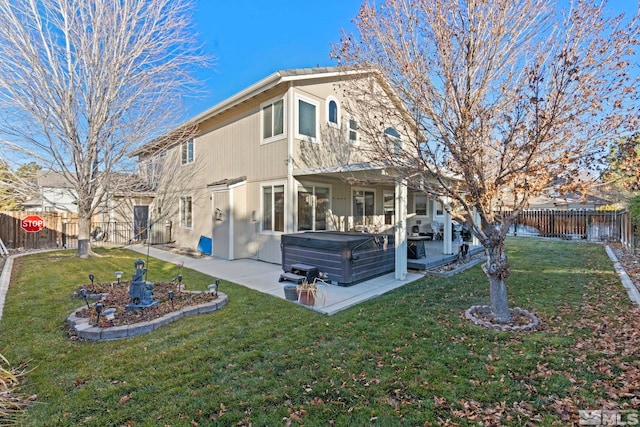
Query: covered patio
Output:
(434,257)
(392,210)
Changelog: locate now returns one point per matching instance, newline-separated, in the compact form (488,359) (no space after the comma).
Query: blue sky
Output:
(254,38)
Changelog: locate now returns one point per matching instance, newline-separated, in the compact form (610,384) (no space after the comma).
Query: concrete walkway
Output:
(263,277)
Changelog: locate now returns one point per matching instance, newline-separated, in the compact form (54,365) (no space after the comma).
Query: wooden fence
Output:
(50,236)
(593,226)
(61,231)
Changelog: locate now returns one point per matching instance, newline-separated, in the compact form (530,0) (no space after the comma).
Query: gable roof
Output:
(52,179)
(255,89)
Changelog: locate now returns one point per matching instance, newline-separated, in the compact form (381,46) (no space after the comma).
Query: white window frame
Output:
(273,137)
(316,105)
(353,214)
(338,118)
(188,160)
(436,215)
(272,185)
(182,220)
(356,141)
(313,186)
(426,204)
(394,141)
(385,194)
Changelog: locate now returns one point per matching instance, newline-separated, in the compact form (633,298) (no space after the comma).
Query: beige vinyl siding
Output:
(331,147)
(201,219)
(244,229)
(232,143)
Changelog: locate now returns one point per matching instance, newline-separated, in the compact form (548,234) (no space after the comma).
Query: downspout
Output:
(290,192)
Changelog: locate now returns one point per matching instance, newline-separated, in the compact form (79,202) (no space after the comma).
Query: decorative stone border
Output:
(485,309)
(84,329)
(463,267)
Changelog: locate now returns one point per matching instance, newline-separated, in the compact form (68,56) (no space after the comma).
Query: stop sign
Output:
(32,223)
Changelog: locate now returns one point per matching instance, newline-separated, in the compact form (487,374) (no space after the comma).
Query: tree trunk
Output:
(497,270)
(84,234)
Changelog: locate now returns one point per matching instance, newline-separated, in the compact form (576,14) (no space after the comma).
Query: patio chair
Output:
(437,230)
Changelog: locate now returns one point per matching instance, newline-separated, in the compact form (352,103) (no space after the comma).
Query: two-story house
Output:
(282,156)
(55,194)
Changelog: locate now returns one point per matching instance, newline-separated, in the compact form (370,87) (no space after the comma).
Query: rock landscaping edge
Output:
(83,328)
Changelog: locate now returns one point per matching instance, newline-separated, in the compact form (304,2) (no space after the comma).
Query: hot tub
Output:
(345,258)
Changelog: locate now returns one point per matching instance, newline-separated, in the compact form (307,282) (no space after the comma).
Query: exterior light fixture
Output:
(109,314)
(119,276)
(83,294)
(91,277)
(171,298)
(99,307)
(214,287)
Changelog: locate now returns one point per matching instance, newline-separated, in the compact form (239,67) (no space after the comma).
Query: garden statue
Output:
(140,291)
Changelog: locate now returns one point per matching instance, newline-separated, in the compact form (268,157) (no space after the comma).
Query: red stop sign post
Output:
(32,224)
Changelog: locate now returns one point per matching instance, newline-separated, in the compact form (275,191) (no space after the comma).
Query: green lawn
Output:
(406,358)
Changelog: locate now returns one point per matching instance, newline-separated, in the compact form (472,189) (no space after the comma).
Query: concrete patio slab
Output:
(263,277)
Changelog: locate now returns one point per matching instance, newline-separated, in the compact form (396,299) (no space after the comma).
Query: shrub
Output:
(10,404)
(634,210)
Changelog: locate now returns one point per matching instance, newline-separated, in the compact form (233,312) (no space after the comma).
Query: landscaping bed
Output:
(629,261)
(116,295)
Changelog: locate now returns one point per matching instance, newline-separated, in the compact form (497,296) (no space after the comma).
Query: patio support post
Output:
(401,230)
(476,219)
(447,247)
(290,195)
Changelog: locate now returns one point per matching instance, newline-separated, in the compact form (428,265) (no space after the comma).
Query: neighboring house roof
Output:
(52,179)
(551,200)
(55,192)
(571,200)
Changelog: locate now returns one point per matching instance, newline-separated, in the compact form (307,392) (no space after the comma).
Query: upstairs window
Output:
(187,151)
(273,119)
(307,119)
(353,131)
(333,112)
(394,141)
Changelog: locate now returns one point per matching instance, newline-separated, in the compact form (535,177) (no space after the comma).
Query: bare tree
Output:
(83,82)
(503,97)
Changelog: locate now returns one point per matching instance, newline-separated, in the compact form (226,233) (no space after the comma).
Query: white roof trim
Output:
(270,82)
